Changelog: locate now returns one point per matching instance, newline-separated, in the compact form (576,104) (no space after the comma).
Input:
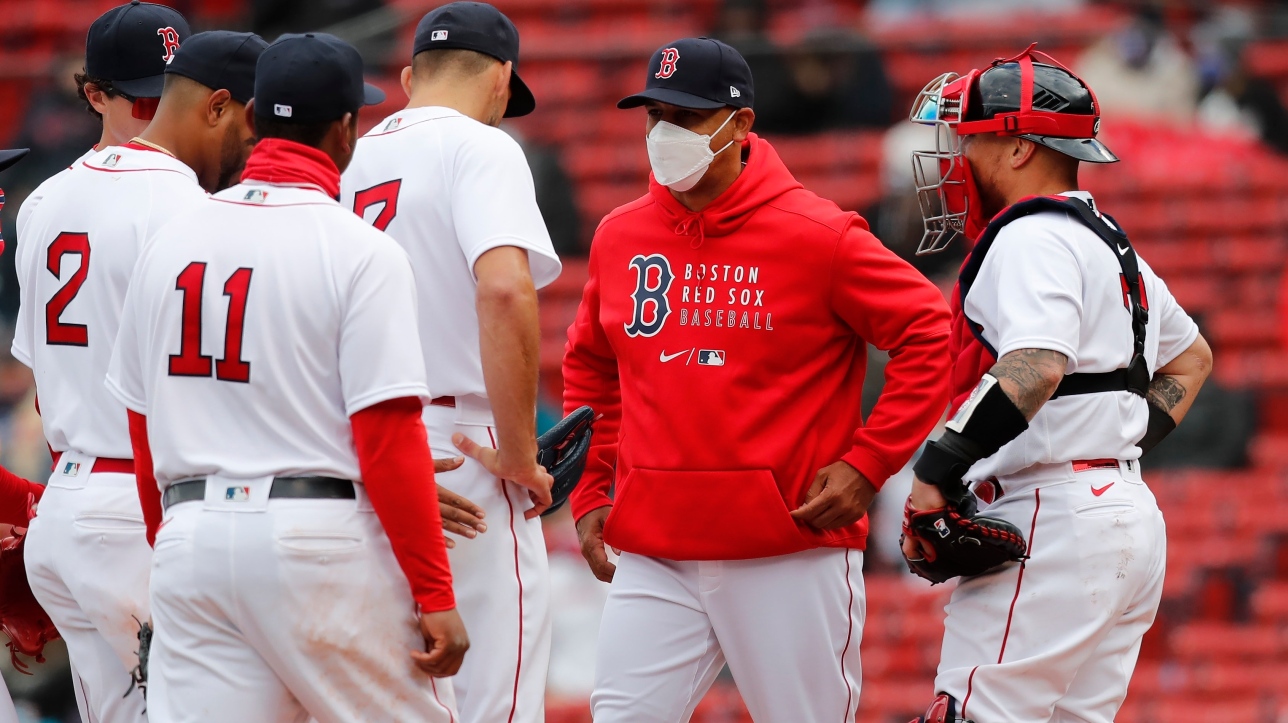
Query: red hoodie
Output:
(726,350)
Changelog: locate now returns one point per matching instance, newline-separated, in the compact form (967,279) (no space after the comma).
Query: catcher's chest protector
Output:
(973,356)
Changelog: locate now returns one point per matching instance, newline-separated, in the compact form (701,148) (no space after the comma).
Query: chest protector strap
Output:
(1135,377)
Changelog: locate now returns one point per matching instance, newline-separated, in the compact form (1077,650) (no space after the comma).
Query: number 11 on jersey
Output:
(190,362)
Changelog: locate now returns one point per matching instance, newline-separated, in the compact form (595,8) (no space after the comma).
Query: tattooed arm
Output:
(1029,377)
(1175,385)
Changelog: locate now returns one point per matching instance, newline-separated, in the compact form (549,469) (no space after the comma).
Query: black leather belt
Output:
(300,488)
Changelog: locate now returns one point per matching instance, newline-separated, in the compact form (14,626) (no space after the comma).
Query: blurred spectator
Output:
(743,24)
(555,197)
(367,24)
(896,219)
(837,80)
(57,129)
(903,9)
(1232,98)
(1141,71)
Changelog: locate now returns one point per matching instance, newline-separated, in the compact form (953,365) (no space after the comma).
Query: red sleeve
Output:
(144,475)
(896,309)
(14,498)
(590,377)
(393,455)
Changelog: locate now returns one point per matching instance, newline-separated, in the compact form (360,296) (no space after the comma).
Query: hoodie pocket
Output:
(709,515)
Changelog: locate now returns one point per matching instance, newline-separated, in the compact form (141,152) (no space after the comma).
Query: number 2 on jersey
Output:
(385,193)
(57,332)
(190,362)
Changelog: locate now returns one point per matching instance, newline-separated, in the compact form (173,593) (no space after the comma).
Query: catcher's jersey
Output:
(76,252)
(1049,282)
(448,188)
(257,323)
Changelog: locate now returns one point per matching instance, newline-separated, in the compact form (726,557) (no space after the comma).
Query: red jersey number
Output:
(386,194)
(190,362)
(57,332)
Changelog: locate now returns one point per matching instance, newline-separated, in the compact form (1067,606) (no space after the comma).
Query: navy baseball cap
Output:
(220,59)
(130,46)
(311,78)
(701,73)
(483,29)
(8,158)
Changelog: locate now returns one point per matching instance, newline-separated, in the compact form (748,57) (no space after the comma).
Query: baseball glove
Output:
(562,451)
(959,544)
(21,617)
(140,673)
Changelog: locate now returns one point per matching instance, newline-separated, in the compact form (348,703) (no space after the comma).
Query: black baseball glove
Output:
(139,675)
(955,544)
(562,451)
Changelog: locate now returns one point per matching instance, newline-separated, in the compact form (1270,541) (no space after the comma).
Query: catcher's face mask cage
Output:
(945,187)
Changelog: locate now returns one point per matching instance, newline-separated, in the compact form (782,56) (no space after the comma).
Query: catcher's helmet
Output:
(1055,90)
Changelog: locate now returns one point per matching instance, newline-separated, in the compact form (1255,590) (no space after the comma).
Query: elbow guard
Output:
(986,422)
(1161,424)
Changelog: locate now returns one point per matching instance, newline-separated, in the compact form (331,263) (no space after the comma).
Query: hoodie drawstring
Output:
(684,227)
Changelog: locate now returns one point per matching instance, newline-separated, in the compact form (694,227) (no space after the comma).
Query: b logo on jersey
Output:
(669,58)
(649,307)
(170,37)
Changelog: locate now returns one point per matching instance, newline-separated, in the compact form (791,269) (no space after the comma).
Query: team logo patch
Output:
(282,110)
(942,528)
(393,122)
(734,92)
(237,494)
(170,38)
(256,195)
(71,469)
(711,357)
(112,160)
(649,305)
(670,56)
(438,35)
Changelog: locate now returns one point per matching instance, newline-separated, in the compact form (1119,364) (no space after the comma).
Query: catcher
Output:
(1071,360)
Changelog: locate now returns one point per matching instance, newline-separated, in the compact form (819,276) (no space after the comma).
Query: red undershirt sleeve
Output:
(144,475)
(14,492)
(398,471)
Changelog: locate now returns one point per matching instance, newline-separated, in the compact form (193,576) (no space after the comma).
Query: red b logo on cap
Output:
(170,37)
(669,58)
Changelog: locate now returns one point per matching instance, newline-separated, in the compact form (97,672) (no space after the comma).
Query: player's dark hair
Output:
(83,79)
(457,61)
(309,134)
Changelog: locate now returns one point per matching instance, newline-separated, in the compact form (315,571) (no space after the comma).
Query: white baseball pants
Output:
(1056,638)
(87,559)
(501,579)
(789,627)
(277,610)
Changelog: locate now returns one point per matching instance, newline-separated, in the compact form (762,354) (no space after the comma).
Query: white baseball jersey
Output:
(33,199)
(1049,282)
(257,323)
(448,189)
(75,257)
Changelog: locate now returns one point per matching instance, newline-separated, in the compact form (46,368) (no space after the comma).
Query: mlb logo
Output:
(282,110)
(112,160)
(255,195)
(438,35)
(711,358)
(237,494)
(941,527)
(71,469)
(394,122)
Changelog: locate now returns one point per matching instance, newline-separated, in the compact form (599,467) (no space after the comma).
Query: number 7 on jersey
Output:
(190,362)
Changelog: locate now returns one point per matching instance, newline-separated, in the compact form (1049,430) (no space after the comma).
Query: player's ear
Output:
(405,80)
(250,115)
(1022,151)
(503,79)
(743,119)
(218,105)
(96,97)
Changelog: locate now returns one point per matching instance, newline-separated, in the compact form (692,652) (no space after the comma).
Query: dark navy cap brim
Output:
(149,87)
(371,95)
(668,95)
(8,158)
(522,102)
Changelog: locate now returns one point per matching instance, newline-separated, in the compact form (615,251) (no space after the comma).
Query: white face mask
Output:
(679,156)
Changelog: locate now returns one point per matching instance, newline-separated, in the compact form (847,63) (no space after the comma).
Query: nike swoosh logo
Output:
(1122,250)
(664,357)
(1101,491)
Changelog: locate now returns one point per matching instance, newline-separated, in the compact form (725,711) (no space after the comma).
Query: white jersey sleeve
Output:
(494,204)
(124,377)
(380,355)
(1034,289)
(1176,330)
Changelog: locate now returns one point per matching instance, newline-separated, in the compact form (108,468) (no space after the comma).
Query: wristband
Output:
(1161,424)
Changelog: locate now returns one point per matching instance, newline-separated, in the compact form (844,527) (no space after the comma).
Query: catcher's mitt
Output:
(957,544)
(21,617)
(140,673)
(562,451)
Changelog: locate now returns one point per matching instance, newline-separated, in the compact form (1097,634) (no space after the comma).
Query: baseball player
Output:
(270,360)
(126,51)
(456,192)
(723,332)
(87,556)
(1071,360)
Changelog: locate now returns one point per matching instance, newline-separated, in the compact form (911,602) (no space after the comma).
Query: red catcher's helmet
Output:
(1040,101)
